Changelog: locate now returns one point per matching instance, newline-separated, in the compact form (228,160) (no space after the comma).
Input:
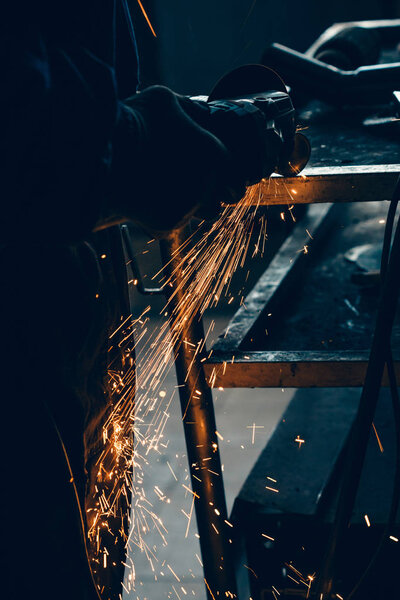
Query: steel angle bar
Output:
(331,184)
(292,369)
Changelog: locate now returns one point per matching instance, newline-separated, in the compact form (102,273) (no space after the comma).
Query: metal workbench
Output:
(350,166)
(362,169)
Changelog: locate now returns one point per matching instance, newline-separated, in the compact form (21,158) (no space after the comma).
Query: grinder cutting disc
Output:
(253,79)
(247,80)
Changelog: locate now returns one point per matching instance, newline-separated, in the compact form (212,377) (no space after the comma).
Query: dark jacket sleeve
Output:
(74,156)
(59,110)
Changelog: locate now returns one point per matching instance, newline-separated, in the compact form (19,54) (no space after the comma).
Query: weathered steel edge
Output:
(363,183)
(285,263)
(295,369)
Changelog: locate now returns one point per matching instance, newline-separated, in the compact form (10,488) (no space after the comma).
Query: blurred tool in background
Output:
(343,66)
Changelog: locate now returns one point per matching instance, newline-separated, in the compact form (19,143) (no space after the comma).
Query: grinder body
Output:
(251,112)
(275,114)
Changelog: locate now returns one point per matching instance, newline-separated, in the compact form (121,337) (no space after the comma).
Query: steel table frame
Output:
(258,369)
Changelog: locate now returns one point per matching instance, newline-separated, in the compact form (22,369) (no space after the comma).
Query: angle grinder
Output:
(251,112)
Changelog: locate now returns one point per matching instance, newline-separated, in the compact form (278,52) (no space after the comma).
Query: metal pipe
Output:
(201,438)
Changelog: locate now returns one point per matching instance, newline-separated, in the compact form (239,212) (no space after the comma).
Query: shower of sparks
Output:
(120,512)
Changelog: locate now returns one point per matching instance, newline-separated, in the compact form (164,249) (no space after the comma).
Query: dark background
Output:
(199,40)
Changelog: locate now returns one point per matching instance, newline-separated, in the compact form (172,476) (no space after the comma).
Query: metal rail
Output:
(278,369)
(331,184)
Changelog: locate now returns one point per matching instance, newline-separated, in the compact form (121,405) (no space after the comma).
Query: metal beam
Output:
(331,184)
(277,369)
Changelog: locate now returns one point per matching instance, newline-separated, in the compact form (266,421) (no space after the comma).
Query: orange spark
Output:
(377,438)
(147,19)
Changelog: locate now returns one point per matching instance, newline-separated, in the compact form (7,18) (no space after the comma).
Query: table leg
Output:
(201,439)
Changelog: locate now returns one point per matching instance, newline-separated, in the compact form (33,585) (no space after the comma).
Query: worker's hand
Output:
(253,143)
(184,167)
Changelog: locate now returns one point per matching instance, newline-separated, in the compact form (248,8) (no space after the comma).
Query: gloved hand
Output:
(253,144)
(167,167)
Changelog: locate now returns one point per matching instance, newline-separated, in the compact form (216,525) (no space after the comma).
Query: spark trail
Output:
(204,274)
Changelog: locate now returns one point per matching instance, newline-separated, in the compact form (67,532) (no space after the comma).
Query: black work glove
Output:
(242,127)
(166,167)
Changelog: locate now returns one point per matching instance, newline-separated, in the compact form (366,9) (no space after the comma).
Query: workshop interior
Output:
(287,295)
(317,512)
